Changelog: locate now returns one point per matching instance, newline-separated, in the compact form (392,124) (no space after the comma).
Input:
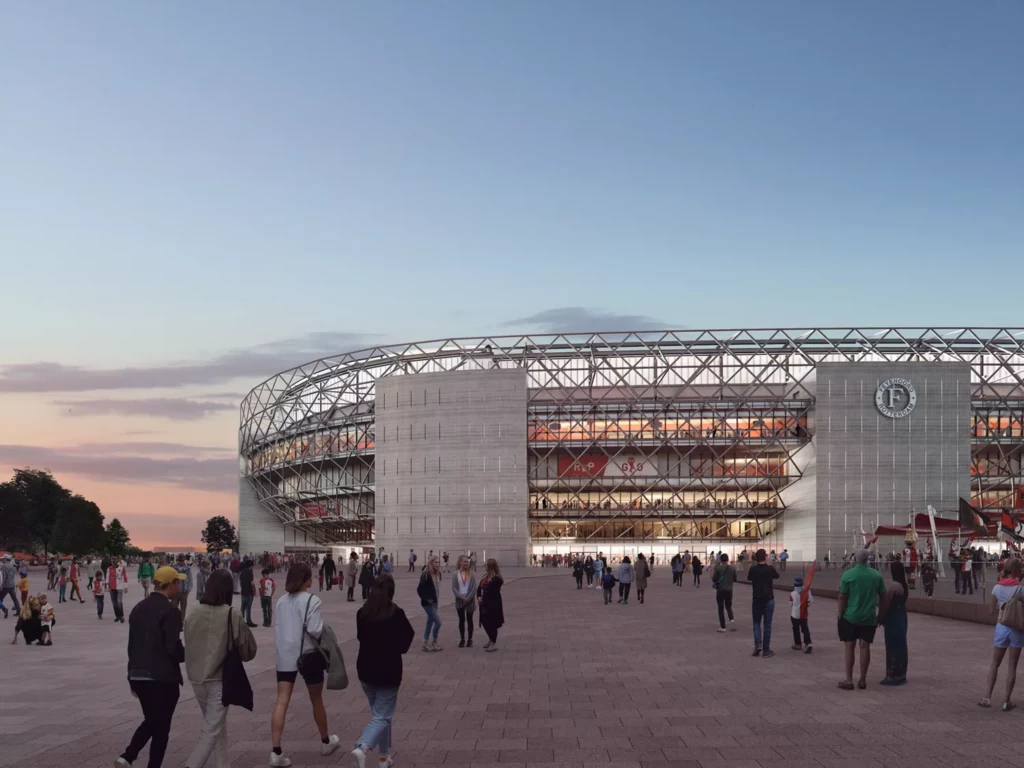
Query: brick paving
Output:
(576,683)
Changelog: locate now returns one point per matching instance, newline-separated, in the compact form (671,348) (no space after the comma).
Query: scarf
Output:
(1009,582)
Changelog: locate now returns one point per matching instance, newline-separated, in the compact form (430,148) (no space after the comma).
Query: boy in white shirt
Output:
(799,609)
(267,589)
(46,619)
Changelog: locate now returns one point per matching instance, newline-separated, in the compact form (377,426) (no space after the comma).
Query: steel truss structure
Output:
(632,435)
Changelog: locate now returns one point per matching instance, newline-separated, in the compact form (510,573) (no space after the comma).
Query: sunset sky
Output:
(196,196)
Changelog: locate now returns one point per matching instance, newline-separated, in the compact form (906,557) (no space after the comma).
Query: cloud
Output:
(143,448)
(173,408)
(205,474)
(259,362)
(581,319)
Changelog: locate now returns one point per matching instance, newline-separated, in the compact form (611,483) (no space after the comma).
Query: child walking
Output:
(97,593)
(63,584)
(267,588)
(23,586)
(608,584)
(928,578)
(800,601)
(46,619)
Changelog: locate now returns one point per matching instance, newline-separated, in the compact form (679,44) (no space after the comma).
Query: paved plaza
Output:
(576,683)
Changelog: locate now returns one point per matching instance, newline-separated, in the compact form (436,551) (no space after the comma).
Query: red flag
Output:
(808,578)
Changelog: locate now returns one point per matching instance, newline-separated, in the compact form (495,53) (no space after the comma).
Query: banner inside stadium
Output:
(600,465)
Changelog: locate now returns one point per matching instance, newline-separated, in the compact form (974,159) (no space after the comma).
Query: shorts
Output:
(1008,637)
(313,674)
(147,583)
(850,633)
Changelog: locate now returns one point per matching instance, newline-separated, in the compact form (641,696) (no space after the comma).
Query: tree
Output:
(79,527)
(219,534)
(43,497)
(117,541)
(15,533)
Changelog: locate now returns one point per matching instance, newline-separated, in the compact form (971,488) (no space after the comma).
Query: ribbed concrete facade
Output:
(451,464)
(258,529)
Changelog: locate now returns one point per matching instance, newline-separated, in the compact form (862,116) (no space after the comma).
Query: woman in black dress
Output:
(492,615)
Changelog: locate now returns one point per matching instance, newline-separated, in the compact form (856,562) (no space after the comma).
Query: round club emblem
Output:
(895,398)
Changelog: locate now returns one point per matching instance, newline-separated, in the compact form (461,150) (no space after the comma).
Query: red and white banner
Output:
(599,465)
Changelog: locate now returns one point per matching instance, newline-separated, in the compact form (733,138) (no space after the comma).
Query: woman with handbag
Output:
(384,634)
(297,629)
(212,630)
(1008,600)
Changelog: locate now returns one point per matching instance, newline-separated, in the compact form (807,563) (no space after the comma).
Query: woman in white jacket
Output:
(295,610)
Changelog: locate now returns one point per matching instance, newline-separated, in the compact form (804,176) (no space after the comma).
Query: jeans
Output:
(14,599)
(61,592)
(247,608)
(763,609)
(724,599)
(377,732)
(800,625)
(117,604)
(433,620)
(99,605)
(267,613)
(213,739)
(464,614)
(607,595)
(158,700)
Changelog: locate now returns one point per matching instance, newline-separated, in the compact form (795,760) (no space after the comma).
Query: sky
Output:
(196,196)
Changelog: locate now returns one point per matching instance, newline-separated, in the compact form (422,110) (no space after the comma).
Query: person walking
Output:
(202,578)
(331,571)
(412,561)
(588,570)
(762,606)
(892,615)
(577,571)
(145,576)
(677,570)
(367,576)
(352,575)
(722,579)
(155,654)
(783,559)
(1007,588)
(626,576)
(8,579)
(599,568)
(385,564)
(492,611)
(429,592)
(117,584)
(698,569)
(642,572)
(384,635)
(97,593)
(859,591)
(298,625)
(247,585)
(464,588)
(212,628)
(74,576)
(800,600)
(186,585)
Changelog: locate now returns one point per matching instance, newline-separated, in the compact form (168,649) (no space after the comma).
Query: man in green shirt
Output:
(145,575)
(859,591)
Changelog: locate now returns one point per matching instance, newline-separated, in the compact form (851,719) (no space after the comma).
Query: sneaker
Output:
(721,629)
(426,647)
(121,763)
(767,654)
(359,757)
(492,647)
(807,649)
(279,761)
(462,643)
(385,762)
(757,652)
(487,645)
(436,646)
(732,625)
(331,745)
(797,647)
(469,644)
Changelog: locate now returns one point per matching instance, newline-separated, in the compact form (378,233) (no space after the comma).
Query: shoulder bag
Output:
(235,688)
(317,655)
(1011,613)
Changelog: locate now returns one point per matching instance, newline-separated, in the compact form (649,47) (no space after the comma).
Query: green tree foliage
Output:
(219,534)
(15,533)
(43,497)
(117,540)
(79,528)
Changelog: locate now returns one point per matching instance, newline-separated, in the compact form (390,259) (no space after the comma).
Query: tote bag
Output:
(1011,613)
(235,688)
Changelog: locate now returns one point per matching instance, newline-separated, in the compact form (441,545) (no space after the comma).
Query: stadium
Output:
(653,441)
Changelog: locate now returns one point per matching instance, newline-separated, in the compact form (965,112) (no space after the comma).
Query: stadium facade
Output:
(619,442)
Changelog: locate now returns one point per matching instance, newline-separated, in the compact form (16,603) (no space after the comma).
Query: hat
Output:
(7,556)
(798,581)
(165,575)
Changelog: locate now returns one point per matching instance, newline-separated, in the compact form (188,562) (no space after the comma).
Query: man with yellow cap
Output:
(155,654)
